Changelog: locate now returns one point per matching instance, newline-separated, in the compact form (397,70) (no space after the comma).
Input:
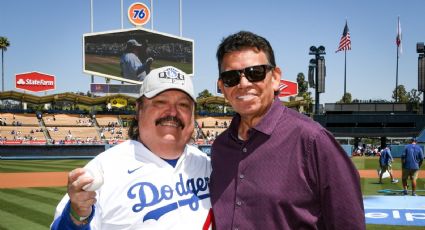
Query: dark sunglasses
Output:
(253,74)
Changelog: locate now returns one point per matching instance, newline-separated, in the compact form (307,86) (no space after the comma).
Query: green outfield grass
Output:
(373,163)
(7,166)
(370,185)
(33,208)
(29,208)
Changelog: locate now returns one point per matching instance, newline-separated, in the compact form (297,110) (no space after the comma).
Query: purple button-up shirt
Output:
(290,174)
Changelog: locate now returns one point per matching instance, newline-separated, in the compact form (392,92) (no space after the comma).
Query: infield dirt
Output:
(54,179)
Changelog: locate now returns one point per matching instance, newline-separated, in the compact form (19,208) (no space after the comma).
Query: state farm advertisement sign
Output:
(35,81)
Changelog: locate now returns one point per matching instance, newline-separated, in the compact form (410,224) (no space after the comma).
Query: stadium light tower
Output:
(319,64)
(421,71)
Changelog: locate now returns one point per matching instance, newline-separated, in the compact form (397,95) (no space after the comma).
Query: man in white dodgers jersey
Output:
(154,181)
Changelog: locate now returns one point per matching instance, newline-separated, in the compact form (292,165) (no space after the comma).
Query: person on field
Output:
(274,168)
(385,161)
(411,160)
(156,180)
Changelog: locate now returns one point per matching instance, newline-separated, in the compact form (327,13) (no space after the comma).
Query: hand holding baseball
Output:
(81,200)
(97,177)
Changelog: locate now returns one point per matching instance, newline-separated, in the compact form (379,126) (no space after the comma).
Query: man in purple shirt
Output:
(411,160)
(274,168)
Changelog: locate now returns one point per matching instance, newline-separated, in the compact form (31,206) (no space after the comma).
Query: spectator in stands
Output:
(385,161)
(411,160)
(154,181)
(131,66)
(274,168)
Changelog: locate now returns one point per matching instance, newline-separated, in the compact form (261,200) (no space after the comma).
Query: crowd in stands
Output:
(367,151)
(208,128)
(86,129)
(52,129)
(112,133)
(166,51)
(14,122)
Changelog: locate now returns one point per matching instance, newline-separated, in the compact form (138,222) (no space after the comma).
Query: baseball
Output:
(97,182)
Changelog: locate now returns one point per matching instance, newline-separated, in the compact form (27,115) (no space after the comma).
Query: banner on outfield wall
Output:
(118,102)
(115,88)
(35,82)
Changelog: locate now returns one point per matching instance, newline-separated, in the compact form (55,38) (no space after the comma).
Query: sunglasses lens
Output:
(256,73)
(230,78)
(253,74)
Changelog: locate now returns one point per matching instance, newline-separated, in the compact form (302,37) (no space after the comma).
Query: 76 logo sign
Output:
(138,14)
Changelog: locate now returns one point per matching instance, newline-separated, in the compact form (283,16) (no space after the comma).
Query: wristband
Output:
(76,216)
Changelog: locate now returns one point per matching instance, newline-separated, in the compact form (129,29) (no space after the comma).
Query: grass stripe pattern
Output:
(33,208)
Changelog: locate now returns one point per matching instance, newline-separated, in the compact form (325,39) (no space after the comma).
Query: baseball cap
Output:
(165,78)
(413,139)
(133,42)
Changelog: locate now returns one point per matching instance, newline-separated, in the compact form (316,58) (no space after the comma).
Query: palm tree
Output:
(4,43)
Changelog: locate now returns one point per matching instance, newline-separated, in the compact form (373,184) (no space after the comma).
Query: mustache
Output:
(170,118)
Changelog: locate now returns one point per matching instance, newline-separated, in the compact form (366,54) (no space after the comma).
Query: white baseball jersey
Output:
(142,191)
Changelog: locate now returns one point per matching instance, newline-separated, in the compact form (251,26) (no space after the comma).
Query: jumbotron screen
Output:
(129,55)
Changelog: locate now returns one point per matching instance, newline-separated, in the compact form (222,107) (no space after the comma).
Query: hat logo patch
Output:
(171,75)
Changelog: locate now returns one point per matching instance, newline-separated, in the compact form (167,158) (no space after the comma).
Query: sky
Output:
(46,36)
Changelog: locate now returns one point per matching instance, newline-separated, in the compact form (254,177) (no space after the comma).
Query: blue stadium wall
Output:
(50,151)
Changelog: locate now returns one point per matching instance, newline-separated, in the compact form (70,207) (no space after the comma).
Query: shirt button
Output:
(241,176)
(236,228)
(244,150)
(238,203)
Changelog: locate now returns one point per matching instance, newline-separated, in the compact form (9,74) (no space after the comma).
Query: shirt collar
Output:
(142,153)
(266,125)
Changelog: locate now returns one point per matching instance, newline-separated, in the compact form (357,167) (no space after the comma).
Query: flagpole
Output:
(396,79)
(398,42)
(345,72)
(345,44)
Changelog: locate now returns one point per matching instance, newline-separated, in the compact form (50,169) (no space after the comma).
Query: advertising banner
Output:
(35,81)
(114,88)
(118,102)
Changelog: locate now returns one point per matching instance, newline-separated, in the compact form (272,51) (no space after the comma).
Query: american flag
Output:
(398,38)
(345,43)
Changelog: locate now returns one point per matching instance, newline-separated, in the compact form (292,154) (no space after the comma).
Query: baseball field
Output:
(31,189)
